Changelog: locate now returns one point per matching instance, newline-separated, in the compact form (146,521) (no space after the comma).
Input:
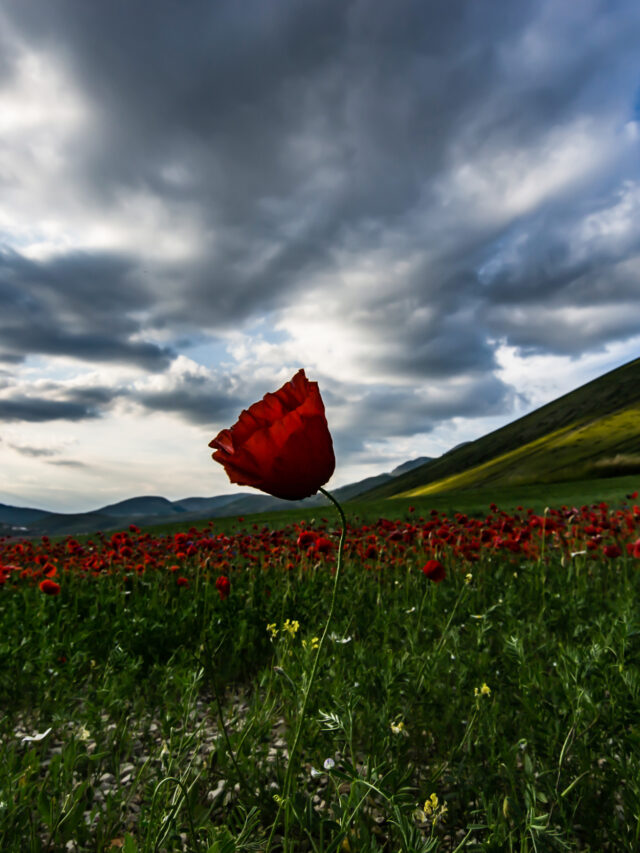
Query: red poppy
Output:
(434,570)
(49,587)
(323,545)
(612,551)
(223,586)
(282,444)
(182,582)
(306,538)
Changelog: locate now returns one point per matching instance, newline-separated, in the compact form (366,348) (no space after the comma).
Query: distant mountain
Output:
(410,465)
(20,515)
(212,506)
(153,509)
(591,432)
(142,507)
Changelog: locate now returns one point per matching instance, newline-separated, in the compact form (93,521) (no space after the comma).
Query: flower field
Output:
(478,687)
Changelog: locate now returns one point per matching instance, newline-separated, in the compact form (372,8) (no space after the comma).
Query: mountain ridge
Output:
(151,509)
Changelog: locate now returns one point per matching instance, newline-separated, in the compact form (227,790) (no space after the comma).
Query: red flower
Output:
(182,582)
(323,545)
(282,444)
(306,538)
(434,570)
(49,587)
(612,551)
(636,549)
(223,586)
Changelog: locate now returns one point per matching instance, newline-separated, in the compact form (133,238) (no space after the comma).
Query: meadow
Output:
(477,689)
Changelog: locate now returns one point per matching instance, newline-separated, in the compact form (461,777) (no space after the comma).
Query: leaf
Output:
(224,845)
(130,845)
(44,808)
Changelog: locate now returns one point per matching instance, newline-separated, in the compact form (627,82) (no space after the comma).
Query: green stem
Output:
(305,698)
(420,609)
(174,811)
(221,722)
(225,734)
(442,640)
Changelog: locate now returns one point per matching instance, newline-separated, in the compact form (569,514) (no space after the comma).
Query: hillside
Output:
(593,431)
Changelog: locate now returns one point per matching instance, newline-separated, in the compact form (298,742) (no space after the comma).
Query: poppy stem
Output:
(307,692)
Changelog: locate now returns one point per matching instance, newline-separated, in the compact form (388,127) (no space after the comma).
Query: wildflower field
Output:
(477,688)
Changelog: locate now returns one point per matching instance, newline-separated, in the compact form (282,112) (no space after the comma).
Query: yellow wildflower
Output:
(432,810)
(431,805)
(291,626)
(272,628)
(485,690)
(398,728)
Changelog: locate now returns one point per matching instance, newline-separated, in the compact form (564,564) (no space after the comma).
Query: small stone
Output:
(216,792)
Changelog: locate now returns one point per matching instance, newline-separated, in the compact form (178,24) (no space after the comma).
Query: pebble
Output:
(216,792)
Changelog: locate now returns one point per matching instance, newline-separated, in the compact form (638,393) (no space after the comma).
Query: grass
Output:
(141,715)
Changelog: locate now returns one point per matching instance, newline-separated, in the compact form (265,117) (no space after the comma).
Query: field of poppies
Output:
(477,688)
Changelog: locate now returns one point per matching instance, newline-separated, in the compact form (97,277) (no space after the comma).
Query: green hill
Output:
(593,431)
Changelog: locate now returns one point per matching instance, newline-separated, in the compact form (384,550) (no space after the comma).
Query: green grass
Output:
(171,711)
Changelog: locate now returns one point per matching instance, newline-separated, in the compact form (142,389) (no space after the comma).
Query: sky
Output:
(434,208)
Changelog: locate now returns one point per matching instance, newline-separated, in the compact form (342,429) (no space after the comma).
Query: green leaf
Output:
(130,845)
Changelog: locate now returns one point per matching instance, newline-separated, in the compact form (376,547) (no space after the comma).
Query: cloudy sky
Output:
(432,207)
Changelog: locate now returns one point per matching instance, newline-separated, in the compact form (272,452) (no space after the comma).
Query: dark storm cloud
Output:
(390,412)
(78,305)
(198,400)
(400,412)
(56,402)
(433,343)
(37,410)
(298,134)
